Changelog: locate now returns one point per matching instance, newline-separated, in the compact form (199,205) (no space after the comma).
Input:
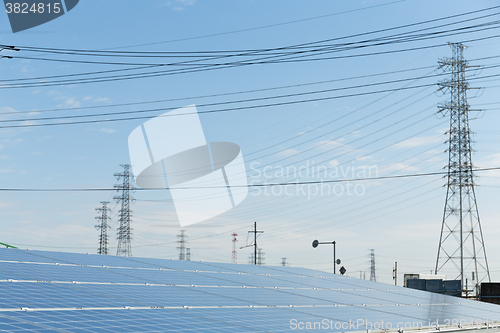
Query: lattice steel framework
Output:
(103,227)
(461,244)
(373,274)
(124,230)
(184,252)
(234,256)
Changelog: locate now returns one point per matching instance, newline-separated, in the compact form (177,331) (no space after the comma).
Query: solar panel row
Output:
(66,292)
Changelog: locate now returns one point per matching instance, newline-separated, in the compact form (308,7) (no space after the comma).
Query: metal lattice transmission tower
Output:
(184,252)
(103,227)
(373,276)
(234,256)
(461,244)
(260,257)
(257,258)
(125,217)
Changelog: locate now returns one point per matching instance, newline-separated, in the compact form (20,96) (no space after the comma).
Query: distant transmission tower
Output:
(234,257)
(184,253)
(260,257)
(373,276)
(124,230)
(283,262)
(103,227)
(461,245)
(256,260)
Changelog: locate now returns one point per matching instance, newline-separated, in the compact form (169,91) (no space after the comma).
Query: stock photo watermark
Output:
(27,14)
(205,178)
(364,324)
(310,180)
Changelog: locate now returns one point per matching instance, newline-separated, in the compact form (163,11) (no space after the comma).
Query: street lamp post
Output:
(315,244)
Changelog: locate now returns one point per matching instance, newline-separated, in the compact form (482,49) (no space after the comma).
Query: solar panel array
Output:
(67,292)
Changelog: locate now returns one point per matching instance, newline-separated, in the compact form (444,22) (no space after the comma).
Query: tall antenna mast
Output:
(124,230)
(461,244)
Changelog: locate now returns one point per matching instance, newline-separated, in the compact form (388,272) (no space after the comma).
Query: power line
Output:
(221,94)
(479,27)
(227,109)
(217,95)
(233,102)
(260,27)
(89,52)
(440,173)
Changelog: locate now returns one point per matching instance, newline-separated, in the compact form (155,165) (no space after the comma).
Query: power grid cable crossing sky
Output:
(327,97)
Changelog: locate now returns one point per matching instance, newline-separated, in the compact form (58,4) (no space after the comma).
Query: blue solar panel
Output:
(66,292)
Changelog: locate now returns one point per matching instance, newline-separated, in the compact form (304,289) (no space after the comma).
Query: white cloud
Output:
(101,99)
(7,109)
(70,102)
(329,144)
(418,141)
(180,5)
(399,167)
(364,158)
(107,130)
(337,146)
(491,161)
(29,123)
(288,152)
(333,163)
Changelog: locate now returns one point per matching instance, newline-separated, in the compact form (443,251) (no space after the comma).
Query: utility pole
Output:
(461,243)
(103,227)
(234,257)
(124,230)
(182,246)
(395,273)
(373,276)
(255,232)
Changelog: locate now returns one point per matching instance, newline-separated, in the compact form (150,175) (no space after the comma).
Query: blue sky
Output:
(393,133)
